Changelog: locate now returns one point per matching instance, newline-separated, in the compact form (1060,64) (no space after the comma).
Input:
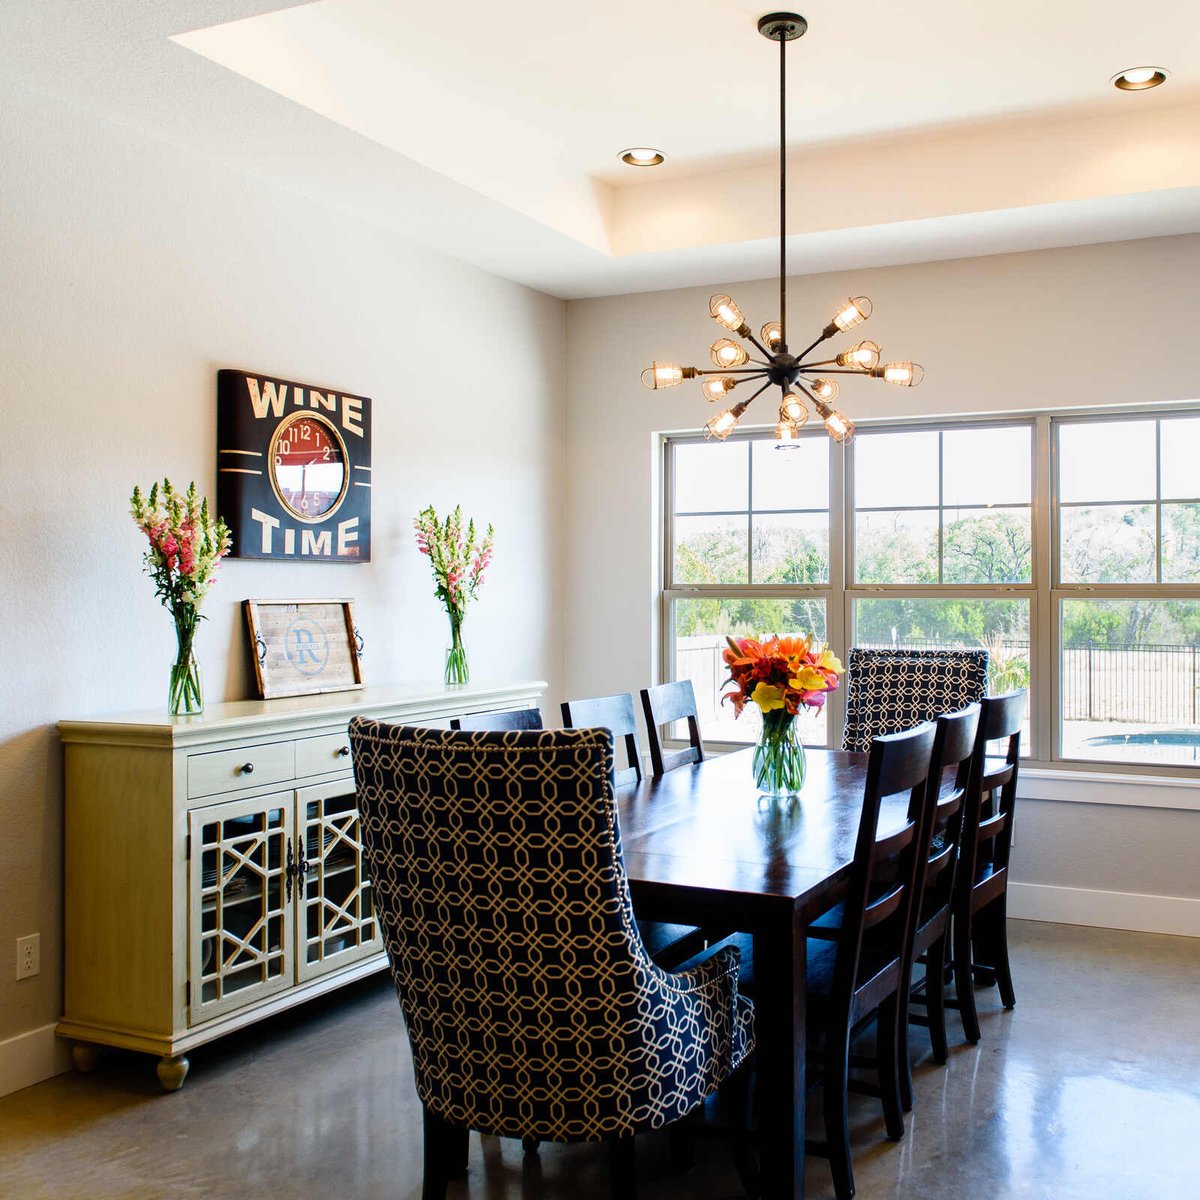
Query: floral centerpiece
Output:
(459,559)
(186,547)
(781,675)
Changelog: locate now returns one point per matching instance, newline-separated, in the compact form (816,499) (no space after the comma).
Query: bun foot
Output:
(86,1056)
(172,1072)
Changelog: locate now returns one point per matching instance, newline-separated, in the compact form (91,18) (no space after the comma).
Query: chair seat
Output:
(668,944)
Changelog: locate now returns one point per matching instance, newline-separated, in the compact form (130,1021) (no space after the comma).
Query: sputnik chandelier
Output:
(791,373)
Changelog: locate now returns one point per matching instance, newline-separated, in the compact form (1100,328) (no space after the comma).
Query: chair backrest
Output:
(953,751)
(531,1005)
(517,718)
(614,713)
(992,793)
(890,690)
(871,947)
(663,705)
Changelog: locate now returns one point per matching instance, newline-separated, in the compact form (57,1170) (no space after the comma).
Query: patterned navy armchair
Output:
(889,691)
(533,1010)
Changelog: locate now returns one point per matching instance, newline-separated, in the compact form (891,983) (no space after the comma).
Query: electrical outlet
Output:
(29,956)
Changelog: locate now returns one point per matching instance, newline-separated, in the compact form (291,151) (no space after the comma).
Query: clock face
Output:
(308,466)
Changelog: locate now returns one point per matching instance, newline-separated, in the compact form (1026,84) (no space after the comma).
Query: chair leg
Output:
(837,1112)
(530,1144)
(737,1092)
(622,1173)
(905,1063)
(997,937)
(888,1021)
(437,1145)
(935,999)
(964,985)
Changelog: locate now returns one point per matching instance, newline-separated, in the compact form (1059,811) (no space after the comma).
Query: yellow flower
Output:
(830,661)
(808,679)
(767,696)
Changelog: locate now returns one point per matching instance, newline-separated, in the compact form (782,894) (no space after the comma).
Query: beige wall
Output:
(1096,325)
(130,272)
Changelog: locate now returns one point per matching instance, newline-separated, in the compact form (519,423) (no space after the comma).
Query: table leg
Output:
(779,976)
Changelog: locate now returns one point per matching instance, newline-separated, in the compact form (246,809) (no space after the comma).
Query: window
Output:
(1068,546)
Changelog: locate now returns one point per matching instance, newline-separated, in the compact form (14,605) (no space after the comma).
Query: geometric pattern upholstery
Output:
(889,691)
(531,1005)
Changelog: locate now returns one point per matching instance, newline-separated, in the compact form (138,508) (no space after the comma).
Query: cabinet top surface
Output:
(252,716)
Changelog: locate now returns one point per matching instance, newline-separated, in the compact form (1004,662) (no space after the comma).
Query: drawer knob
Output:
(343,751)
(247,768)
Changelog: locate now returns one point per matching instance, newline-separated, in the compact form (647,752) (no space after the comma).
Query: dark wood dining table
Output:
(702,846)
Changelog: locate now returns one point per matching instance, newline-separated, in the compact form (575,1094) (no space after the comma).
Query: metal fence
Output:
(1101,681)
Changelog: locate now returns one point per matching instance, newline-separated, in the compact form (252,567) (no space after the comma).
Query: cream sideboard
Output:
(214,870)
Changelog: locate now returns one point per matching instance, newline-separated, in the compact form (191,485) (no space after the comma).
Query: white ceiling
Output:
(916,131)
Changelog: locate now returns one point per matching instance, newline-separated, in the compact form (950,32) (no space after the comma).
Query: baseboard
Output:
(1108,910)
(31,1057)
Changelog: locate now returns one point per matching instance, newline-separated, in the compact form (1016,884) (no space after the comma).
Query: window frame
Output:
(1045,591)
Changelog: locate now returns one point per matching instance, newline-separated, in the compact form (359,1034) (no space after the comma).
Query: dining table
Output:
(703,847)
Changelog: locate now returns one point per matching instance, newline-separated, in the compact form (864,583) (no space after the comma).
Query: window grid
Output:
(1045,591)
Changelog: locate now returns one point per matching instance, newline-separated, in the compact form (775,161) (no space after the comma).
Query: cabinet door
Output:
(335,915)
(241,935)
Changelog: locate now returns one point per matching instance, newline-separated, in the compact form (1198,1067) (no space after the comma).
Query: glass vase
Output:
(457,670)
(779,756)
(185,695)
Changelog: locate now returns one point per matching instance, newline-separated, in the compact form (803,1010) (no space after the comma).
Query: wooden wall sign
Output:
(302,647)
(293,469)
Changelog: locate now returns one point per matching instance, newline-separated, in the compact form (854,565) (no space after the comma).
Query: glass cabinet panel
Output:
(241,939)
(336,921)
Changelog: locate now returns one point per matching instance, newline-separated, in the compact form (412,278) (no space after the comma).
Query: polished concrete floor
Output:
(1090,1088)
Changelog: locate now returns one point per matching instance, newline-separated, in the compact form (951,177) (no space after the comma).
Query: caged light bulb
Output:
(863,357)
(727,313)
(827,389)
(854,312)
(665,375)
(772,335)
(793,410)
(726,352)
(717,387)
(902,374)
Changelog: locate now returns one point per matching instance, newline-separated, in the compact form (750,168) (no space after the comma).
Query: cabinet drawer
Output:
(320,755)
(225,770)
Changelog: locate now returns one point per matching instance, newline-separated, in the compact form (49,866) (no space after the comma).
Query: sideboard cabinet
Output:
(214,869)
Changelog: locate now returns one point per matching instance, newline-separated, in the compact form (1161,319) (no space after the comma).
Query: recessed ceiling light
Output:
(642,156)
(1138,79)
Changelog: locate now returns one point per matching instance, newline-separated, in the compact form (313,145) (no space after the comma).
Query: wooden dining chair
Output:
(888,690)
(517,718)
(663,706)
(953,750)
(980,907)
(856,965)
(614,713)
(531,1007)
(668,944)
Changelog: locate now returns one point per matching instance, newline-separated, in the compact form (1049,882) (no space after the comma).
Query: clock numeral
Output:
(326,453)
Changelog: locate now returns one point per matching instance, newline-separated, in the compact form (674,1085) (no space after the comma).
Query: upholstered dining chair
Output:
(980,908)
(516,718)
(532,1008)
(663,705)
(889,690)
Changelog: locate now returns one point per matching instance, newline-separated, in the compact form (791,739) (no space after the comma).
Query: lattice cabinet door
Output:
(335,917)
(241,933)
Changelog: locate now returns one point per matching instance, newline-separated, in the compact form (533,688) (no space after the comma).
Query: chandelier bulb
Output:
(837,425)
(727,353)
(787,436)
(792,410)
(718,387)
(854,312)
(771,335)
(902,374)
(724,311)
(665,375)
(724,423)
(863,357)
(827,389)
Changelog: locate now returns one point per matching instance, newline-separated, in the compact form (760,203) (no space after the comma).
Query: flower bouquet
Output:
(781,676)
(186,546)
(459,559)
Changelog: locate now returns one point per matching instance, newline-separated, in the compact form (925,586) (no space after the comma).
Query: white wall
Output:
(131,271)
(1096,325)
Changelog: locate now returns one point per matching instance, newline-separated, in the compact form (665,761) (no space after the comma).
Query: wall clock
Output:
(293,469)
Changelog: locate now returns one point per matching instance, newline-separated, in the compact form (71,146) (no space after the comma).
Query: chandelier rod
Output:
(783,41)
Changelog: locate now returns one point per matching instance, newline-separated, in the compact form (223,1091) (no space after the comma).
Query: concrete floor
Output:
(1090,1088)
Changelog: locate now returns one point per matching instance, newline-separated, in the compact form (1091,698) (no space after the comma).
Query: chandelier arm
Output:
(825,335)
(734,371)
(836,371)
(757,344)
(750,399)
